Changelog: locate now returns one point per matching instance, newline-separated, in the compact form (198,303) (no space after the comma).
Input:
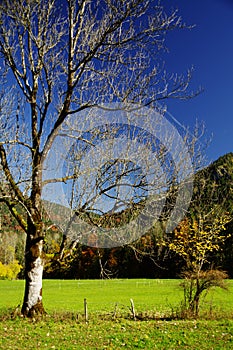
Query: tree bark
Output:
(33,278)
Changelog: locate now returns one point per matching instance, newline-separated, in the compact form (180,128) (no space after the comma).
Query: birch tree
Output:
(59,58)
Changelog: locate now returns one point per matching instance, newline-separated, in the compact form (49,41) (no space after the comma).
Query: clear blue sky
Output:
(209,48)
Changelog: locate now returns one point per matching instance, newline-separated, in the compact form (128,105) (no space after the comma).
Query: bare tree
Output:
(113,182)
(59,58)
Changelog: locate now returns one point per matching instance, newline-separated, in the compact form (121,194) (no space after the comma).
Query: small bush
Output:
(10,271)
(195,284)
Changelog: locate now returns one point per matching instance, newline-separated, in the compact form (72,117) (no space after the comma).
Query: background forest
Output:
(146,258)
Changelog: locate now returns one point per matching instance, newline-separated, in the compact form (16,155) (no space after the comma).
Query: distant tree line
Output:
(146,258)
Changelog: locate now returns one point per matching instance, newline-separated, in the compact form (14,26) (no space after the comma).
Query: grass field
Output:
(65,327)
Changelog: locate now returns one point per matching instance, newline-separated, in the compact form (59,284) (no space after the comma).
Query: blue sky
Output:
(209,48)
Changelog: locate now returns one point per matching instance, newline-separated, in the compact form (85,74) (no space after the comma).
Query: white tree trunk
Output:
(33,283)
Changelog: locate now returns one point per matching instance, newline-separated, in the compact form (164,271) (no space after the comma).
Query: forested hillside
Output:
(213,193)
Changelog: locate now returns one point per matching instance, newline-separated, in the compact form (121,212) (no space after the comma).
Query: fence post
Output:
(133,309)
(85,310)
(115,310)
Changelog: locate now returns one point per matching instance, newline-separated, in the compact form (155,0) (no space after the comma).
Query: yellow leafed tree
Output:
(194,240)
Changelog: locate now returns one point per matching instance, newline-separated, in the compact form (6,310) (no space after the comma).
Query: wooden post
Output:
(115,310)
(133,309)
(85,310)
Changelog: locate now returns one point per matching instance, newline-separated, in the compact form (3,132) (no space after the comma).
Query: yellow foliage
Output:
(194,239)
(10,271)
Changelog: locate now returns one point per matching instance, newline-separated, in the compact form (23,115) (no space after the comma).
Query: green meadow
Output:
(110,323)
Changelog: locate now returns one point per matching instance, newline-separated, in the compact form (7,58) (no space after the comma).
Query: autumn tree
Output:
(59,58)
(199,236)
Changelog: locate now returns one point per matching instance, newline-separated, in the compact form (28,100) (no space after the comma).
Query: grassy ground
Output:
(118,334)
(102,295)
(65,327)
